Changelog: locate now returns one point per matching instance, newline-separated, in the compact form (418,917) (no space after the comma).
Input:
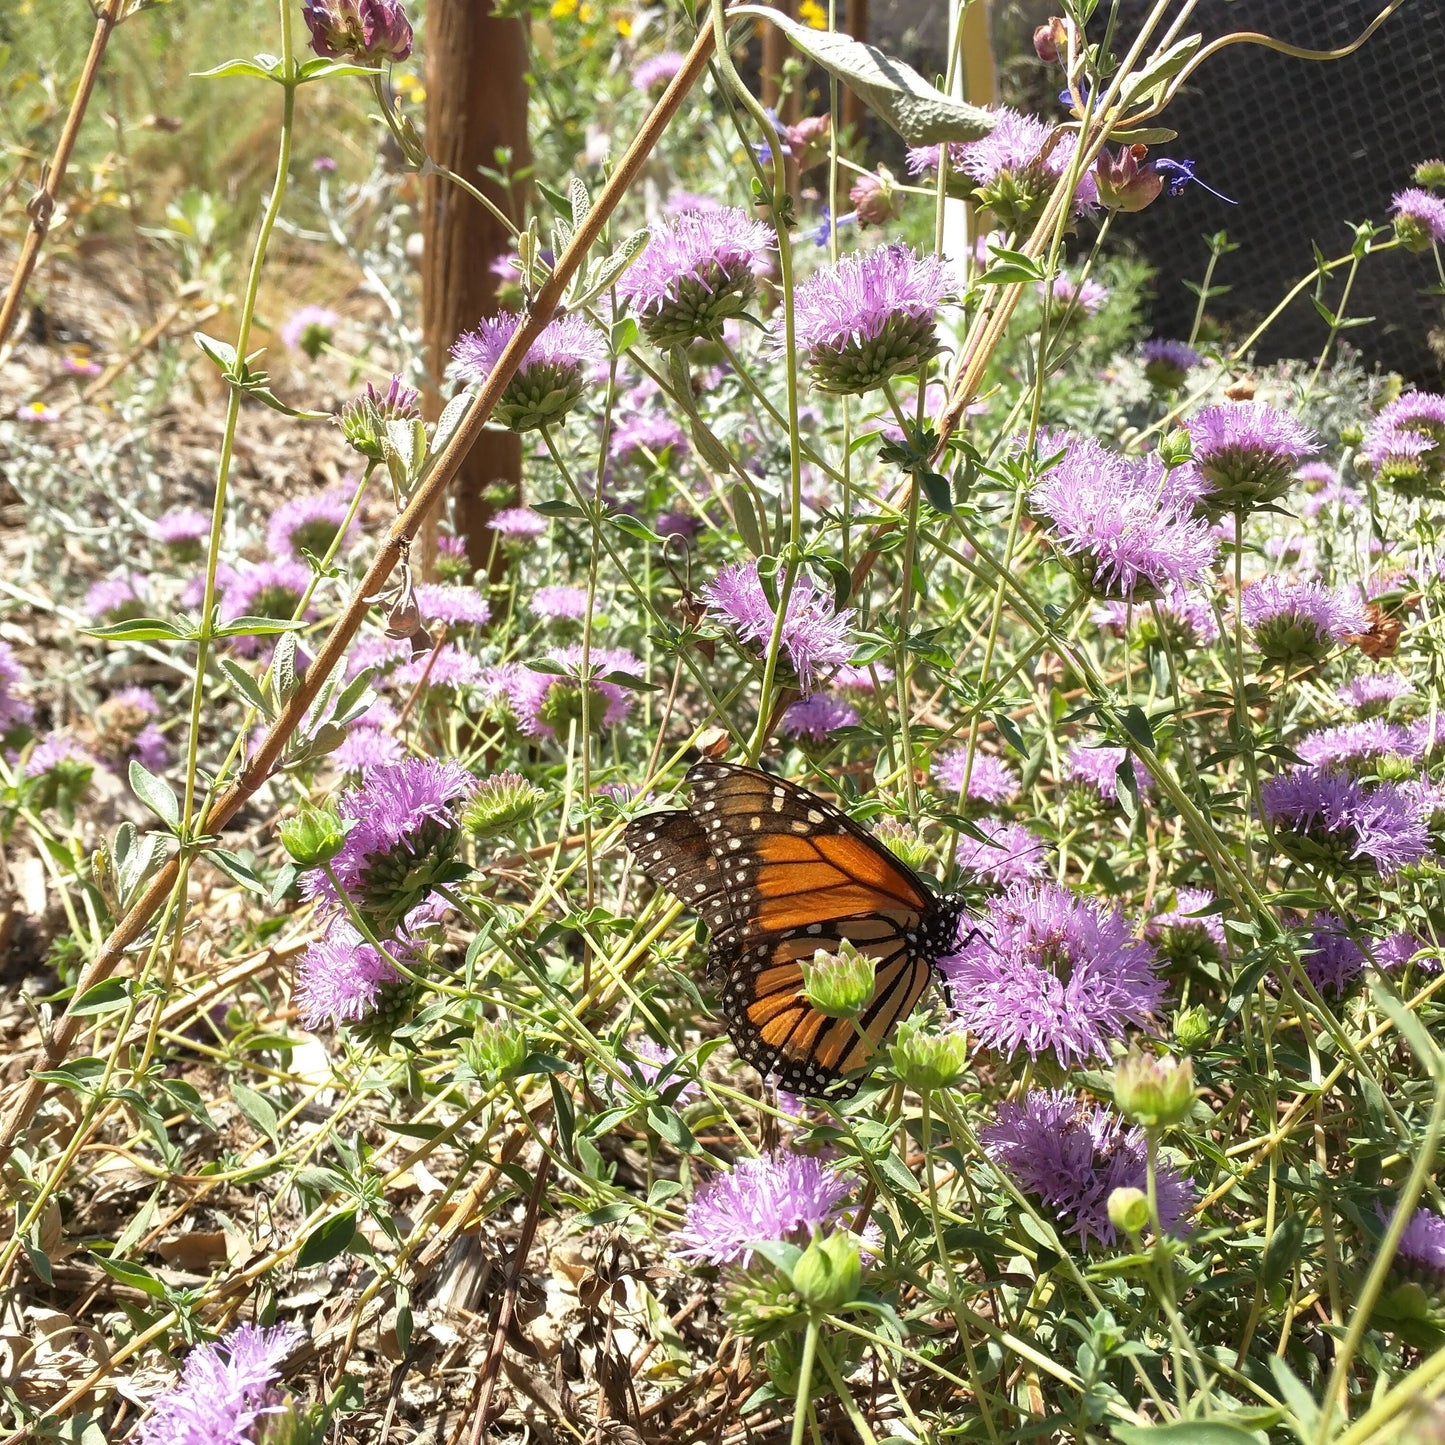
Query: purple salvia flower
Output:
(1098,769)
(13,709)
(272,590)
(1426,734)
(699,270)
(117,599)
(1357,742)
(225,1389)
(1119,526)
(181,531)
(816,716)
(1012,855)
(369,32)
(311,524)
(1071,1155)
(309,329)
(376,653)
(1299,622)
(1422,1246)
(558,602)
(657,70)
(1334,821)
(1182,937)
(518,523)
(456,606)
(1247,452)
(450,666)
(1167,363)
(779,1197)
(544,704)
(870,317)
(990,780)
(402,839)
(643,432)
(1419,217)
(552,377)
(815,638)
(1051,973)
(365,749)
(1077,297)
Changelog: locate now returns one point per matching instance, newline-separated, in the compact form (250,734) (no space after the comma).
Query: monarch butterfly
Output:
(777,873)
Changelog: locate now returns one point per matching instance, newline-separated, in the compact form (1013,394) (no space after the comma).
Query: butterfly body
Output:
(777,873)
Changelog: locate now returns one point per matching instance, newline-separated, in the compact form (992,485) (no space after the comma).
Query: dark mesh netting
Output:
(1304,148)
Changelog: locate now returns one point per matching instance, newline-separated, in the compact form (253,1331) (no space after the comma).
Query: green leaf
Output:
(137,1276)
(1138,728)
(248,687)
(139,629)
(1411,1029)
(1296,1394)
(1149,82)
(635,528)
(624,336)
(939,492)
(234,67)
(256,627)
(580,201)
(99,998)
(320,69)
(893,91)
(608,1214)
(156,794)
(236,868)
(327,1240)
(740,503)
(221,352)
(260,1112)
(79,1074)
(1187,1432)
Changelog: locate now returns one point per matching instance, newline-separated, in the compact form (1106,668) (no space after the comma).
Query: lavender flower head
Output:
(1422,1246)
(1051,973)
(1074,298)
(272,590)
(309,524)
(121,598)
(869,318)
(1007,170)
(225,1389)
(449,667)
(1119,526)
(545,704)
(125,729)
(1098,770)
(1297,623)
(815,638)
(343,979)
(1419,217)
(365,749)
(181,531)
(401,842)
(648,1062)
(517,524)
(13,710)
(816,716)
(1184,938)
(1247,452)
(1405,443)
(558,602)
(990,780)
(1010,856)
(698,270)
(309,329)
(552,377)
(57,750)
(1184,620)
(456,606)
(656,70)
(1357,743)
(779,1197)
(643,432)
(1071,1155)
(1338,824)
(1167,363)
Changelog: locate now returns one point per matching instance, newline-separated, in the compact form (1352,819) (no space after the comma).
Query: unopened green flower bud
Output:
(840,984)
(1175,448)
(497,1050)
(313,837)
(758,1303)
(1129,1210)
(1351,436)
(364,419)
(903,842)
(500,804)
(1192,1027)
(1154,1091)
(926,1059)
(829,1274)
(1393,768)
(1430,173)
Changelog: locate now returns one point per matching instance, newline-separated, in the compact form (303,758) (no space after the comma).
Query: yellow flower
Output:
(624,26)
(814,14)
(411,88)
(586,14)
(561,9)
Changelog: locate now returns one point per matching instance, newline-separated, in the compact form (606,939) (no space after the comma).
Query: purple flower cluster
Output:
(1180,936)
(272,590)
(1082,298)
(1186,619)
(1118,521)
(546,703)
(780,1196)
(816,716)
(309,524)
(645,432)
(1098,769)
(518,523)
(1167,363)
(456,606)
(1011,855)
(1051,973)
(1405,443)
(450,667)
(342,978)
(870,317)
(1246,453)
(225,1389)
(1071,1155)
(551,379)
(13,710)
(1419,217)
(1335,821)
(1357,742)
(990,780)
(1296,622)
(698,271)
(1333,960)
(182,530)
(117,599)
(308,329)
(1422,1245)
(656,70)
(558,602)
(815,638)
